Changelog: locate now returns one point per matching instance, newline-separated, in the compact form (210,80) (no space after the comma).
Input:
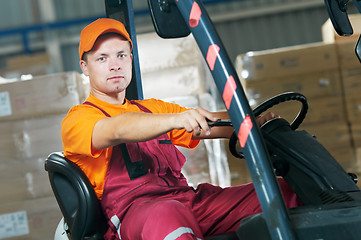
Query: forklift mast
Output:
(187,16)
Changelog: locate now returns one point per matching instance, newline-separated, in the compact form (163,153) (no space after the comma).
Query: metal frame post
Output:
(226,79)
(122,10)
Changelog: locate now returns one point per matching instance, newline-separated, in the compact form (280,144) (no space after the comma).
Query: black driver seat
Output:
(78,202)
(76,198)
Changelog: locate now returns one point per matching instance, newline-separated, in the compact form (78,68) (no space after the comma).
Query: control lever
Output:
(220,123)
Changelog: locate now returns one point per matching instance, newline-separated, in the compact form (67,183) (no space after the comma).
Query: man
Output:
(126,149)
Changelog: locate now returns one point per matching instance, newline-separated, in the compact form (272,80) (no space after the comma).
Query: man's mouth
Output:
(116,78)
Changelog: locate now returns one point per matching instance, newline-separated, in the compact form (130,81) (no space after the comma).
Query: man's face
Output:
(108,65)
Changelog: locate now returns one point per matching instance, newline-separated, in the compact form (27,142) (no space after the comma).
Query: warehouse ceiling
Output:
(53,26)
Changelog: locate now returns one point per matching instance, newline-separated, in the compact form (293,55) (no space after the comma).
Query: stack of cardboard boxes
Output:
(310,69)
(31,112)
(350,70)
(328,73)
(176,72)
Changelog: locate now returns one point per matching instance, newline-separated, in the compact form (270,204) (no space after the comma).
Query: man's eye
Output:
(123,55)
(101,59)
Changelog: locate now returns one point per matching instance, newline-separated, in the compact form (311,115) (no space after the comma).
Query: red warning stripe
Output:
(195,15)
(244,130)
(212,55)
(228,91)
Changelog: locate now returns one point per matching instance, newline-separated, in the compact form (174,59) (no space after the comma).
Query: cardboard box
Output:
(353,108)
(34,219)
(24,61)
(31,185)
(356,133)
(352,87)
(325,110)
(358,161)
(329,35)
(24,146)
(40,96)
(35,64)
(173,53)
(287,61)
(174,82)
(351,82)
(357,168)
(317,84)
(347,56)
(321,110)
(27,140)
(14,168)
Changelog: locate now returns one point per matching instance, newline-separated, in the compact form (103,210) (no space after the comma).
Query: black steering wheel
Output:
(288,96)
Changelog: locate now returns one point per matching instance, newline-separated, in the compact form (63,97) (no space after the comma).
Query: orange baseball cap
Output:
(90,33)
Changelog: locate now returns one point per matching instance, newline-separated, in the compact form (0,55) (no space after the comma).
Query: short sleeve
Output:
(77,129)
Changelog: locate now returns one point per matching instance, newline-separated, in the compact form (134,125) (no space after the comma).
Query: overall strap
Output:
(91,104)
(135,169)
(140,106)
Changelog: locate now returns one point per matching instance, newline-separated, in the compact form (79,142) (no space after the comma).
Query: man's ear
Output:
(84,67)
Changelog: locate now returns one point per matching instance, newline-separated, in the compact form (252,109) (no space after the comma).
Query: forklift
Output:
(331,199)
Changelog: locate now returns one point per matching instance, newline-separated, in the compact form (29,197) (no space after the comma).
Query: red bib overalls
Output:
(147,197)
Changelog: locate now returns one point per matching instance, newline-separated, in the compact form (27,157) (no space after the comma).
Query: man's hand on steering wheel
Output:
(265,118)
(261,120)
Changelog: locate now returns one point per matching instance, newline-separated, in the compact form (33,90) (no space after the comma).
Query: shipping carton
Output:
(34,64)
(31,185)
(321,110)
(41,96)
(347,56)
(353,108)
(27,140)
(24,146)
(174,82)
(287,61)
(356,133)
(173,53)
(34,219)
(317,84)
(24,61)
(351,81)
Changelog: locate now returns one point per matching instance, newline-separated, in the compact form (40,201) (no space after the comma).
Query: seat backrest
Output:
(76,198)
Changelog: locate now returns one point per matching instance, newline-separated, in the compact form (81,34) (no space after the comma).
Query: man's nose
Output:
(115,64)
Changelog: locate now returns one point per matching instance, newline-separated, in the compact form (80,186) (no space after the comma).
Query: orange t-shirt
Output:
(77,128)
